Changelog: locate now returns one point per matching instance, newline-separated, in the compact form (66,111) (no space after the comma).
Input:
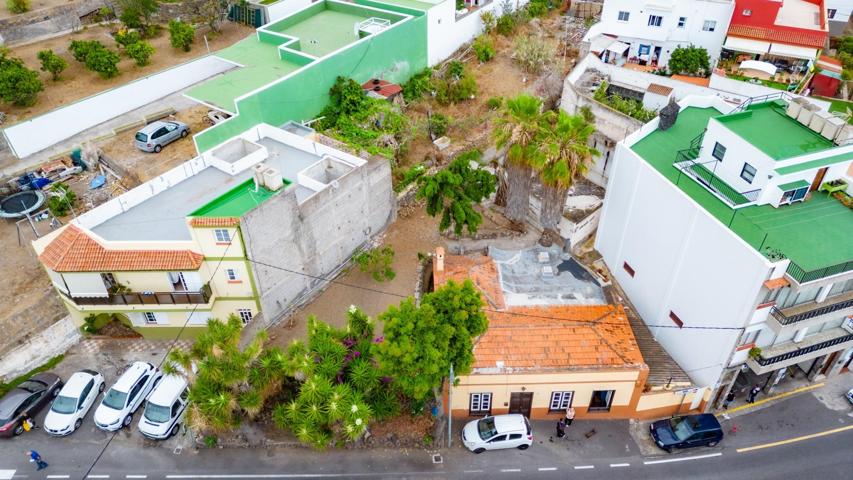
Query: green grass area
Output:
(237,201)
(814,234)
(766,83)
(5,387)
(839,105)
(767,127)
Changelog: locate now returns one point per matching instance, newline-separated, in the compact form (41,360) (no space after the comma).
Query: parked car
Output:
(165,408)
(28,398)
(498,432)
(126,395)
(73,402)
(849,395)
(687,431)
(156,135)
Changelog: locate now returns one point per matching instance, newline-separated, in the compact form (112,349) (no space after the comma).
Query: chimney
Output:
(668,115)
(439,259)
(376,81)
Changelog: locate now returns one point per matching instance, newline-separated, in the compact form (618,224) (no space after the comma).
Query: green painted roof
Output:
(235,202)
(820,162)
(324,32)
(814,234)
(767,127)
(423,6)
(261,65)
(786,187)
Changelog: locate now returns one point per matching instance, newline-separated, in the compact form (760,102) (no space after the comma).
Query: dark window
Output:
(624,16)
(480,403)
(176,408)
(137,388)
(830,12)
(560,401)
(85,394)
(655,20)
(748,173)
(628,269)
(601,400)
(499,438)
(719,151)
(682,21)
(159,133)
(709,26)
(675,319)
(141,137)
(514,436)
(185,394)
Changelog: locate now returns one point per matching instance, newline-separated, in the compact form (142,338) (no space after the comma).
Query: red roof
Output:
(74,251)
(760,24)
(386,89)
(214,221)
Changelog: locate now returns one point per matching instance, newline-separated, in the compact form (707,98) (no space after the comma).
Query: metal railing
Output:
(789,320)
(803,351)
(148,298)
(803,276)
(761,99)
(685,161)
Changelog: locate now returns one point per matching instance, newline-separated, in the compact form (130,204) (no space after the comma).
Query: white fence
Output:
(34,135)
(41,347)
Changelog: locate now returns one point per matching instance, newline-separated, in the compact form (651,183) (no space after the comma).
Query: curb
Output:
(774,397)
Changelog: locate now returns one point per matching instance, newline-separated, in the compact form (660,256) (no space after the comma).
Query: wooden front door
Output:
(829,363)
(818,179)
(521,402)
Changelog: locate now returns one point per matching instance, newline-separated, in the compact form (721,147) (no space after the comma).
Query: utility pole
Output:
(450,407)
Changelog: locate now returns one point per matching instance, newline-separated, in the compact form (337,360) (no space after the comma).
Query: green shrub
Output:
(53,63)
(125,37)
(181,35)
(532,53)
(495,103)
(80,48)
(418,85)
(505,25)
(5,387)
(484,48)
(438,124)
(377,263)
(18,84)
(690,60)
(140,52)
(18,6)
(137,13)
(489,20)
(410,176)
(61,199)
(105,13)
(537,8)
(104,62)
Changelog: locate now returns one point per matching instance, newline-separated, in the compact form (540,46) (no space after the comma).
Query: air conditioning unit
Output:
(806,114)
(272,179)
(819,120)
(794,107)
(832,127)
(258,174)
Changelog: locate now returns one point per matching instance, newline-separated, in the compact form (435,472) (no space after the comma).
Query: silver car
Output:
(154,136)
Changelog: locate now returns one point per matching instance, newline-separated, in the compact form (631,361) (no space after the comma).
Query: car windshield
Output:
(64,405)
(680,428)
(115,399)
(486,428)
(157,413)
(141,137)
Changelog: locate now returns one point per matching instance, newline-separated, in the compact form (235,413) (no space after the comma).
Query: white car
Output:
(498,432)
(849,395)
(125,396)
(73,402)
(165,408)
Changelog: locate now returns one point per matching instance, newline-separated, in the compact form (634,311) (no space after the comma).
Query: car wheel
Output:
(712,444)
(157,148)
(19,429)
(479,450)
(184,133)
(523,447)
(78,423)
(127,420)
(175,430)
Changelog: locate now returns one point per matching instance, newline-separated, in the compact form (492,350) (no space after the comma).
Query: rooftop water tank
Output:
(832,127)
(806,114)
(794,107)
(819,120)
(272,179)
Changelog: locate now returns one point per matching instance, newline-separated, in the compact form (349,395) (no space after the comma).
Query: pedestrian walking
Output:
(36,458)
(570,415)
(729,399)
(752,393)
(561,429)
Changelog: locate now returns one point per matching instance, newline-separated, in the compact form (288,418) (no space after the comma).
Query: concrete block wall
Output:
(47,22)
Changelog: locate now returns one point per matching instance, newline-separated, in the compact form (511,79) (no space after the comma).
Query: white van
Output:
(165,408)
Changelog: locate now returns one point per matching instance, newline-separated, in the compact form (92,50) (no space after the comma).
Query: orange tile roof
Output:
(214,221)
(558,337)
(702,82)
(480,270)
(659,89)
(775,283)
(74,251)
(803,38)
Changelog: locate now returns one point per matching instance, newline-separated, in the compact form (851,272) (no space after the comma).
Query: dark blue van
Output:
(687,431)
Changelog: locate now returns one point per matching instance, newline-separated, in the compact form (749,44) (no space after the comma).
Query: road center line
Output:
(472,471)
(58,476)
(97,476)
(617,465)
(307,475)
(794,440)
(584,467)
(547,469)
(682,459)
(509,470)
(136,476)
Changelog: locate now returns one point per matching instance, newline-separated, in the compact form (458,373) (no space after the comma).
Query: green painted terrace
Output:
(235,202)
(814,234)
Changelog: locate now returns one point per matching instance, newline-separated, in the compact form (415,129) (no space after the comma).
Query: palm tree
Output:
(519,128)
(566,152)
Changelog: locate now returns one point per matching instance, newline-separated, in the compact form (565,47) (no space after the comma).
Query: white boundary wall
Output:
(34,135)
(279,10)
(41,347)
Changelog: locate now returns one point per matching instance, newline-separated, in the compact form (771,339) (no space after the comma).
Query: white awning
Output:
(794,51)
(600,43)
(85,285)
(618,47)
(765,67)
(746,45)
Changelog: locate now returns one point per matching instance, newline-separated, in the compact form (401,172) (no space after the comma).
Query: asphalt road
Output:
(799,437)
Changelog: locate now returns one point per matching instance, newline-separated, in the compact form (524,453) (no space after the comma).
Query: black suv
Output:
(687,431)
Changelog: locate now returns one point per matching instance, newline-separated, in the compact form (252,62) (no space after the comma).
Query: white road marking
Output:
(58,476)
(584,467)
(97,476)
(508,470)
(669,460)
(472,471)
(136,476)
(617,465)
(308,475)
(7,474)
(548,469)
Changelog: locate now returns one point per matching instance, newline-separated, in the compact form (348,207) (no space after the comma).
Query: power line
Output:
(502,312)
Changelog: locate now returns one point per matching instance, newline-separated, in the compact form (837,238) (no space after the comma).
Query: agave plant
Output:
(251,401)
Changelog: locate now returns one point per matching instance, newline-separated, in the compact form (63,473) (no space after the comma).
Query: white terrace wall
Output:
(279,10)
(34,135)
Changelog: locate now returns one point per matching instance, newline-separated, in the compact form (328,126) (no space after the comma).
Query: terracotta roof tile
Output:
(760,24)
(480,270)
(803,38)
(74,251)
(214,221)
(659,89)
(775,283)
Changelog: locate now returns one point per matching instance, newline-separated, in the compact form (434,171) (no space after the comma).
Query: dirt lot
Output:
(77,82)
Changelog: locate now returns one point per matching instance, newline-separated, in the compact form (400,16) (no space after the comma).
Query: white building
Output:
(647,31)
(838,14)
(720,233)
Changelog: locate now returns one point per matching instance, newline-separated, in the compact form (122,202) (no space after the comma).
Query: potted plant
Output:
(754,353)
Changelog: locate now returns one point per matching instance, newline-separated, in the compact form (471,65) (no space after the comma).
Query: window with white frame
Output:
(245,315)
(480,404)
(830,13)
(709,26)
(682,21)
(655,20)
(624,16)
(749,338)
(150,317)
(222,235)
(561,401)
(232,274)
(748,172)
(719,151)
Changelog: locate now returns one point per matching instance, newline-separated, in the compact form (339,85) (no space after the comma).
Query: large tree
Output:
(518,129)
(454,191)
(566,151)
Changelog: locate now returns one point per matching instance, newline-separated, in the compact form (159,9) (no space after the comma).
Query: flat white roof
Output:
(799,14)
